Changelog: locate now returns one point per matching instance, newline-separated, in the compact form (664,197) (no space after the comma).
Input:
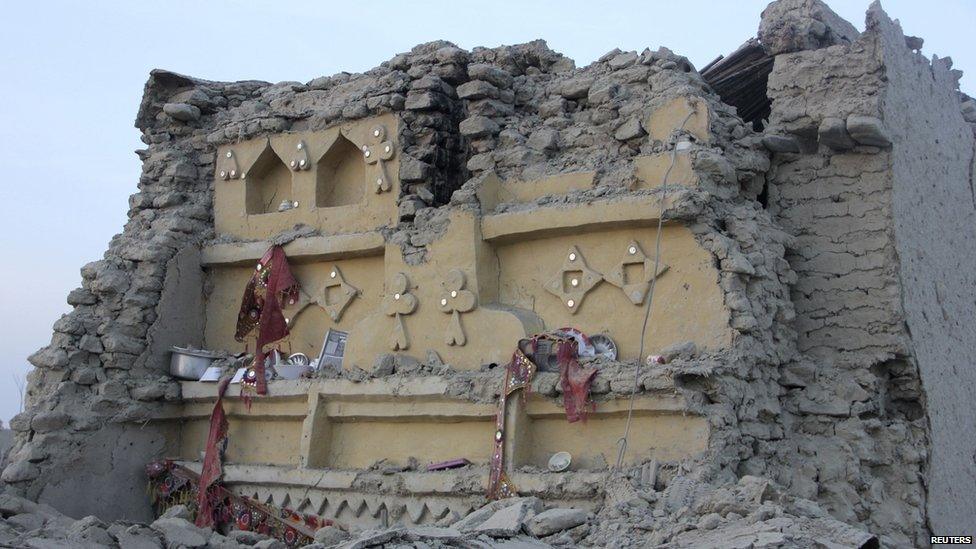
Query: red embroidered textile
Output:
(270,286)
(207,497)
(575,381)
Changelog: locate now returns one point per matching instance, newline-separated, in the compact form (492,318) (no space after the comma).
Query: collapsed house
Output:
(794,225)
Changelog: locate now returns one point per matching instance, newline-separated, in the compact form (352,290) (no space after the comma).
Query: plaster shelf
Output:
(405,387)
(311,248)
(561,219)
(573,483)
(335,424)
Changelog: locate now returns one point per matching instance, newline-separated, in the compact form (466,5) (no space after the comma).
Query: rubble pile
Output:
(686,514)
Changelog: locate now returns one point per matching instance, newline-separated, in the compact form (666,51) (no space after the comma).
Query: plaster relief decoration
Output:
(399,302)
(337,294)
(334,298)
(573,281)
(300,161)
(635,288)
(377,152)
(269,185)
(227,166)
(456,300)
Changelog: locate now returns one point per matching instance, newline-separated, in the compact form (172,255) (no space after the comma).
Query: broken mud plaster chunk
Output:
(623,60)
(780,143)
(182,112)
(576,88)
(867,130)
(552,107)
(384,365)
(555,520)
(832,133)
(500,78)
(545,139)
(50,421)
(602,93)
(510,520)
(477,89)
(629,130)
(796,25)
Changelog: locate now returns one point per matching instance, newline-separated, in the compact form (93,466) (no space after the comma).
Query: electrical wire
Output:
(622,441)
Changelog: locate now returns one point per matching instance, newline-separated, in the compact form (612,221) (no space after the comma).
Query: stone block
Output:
(509,521)
(602,93)
(412,169)
(630,129)
(555,520)
(576,88)
(44,422)
(182,111)
(181,533)
(477,89)
(780,143)
(552,107)
(622,60)
(867,130)
(50,358)
(426,101)
(832,133)
(21,471)
(138,537)
(490,108)
(331,535)
(478,126)
(500,78)
(545,139)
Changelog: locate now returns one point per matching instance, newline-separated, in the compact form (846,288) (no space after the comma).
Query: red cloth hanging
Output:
(264,311)
(575,381)
(208,496)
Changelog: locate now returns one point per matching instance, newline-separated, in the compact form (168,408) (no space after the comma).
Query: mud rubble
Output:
(687,514)
(834,413)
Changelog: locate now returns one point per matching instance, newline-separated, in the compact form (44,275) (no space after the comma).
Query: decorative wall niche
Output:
(341,175)
(267,183)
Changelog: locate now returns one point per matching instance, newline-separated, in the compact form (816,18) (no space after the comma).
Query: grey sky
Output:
(73,72)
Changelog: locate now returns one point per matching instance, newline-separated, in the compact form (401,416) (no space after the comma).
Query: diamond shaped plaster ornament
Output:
(573,281)
(337,294)
(635,290)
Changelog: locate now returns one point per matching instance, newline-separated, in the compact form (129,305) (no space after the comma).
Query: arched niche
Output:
(341,175)
(268,183)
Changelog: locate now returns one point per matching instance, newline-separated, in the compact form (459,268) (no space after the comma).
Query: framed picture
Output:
(333,349)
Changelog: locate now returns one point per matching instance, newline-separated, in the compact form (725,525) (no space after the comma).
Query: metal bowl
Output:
(191,364)
(560,461)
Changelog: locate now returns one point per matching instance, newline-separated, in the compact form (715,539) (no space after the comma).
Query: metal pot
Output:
(186,363)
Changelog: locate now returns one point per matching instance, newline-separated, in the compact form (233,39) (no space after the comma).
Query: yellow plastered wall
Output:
(688,303)
(491,328)
(359,444)
(507,259)
(307,327)
(335,194)
(269,433)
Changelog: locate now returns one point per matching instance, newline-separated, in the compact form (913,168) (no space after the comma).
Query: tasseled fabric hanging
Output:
(518,375)
(207,497)
(575,381)
(271,286)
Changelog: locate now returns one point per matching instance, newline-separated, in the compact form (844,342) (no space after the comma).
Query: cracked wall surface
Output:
(934,217)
